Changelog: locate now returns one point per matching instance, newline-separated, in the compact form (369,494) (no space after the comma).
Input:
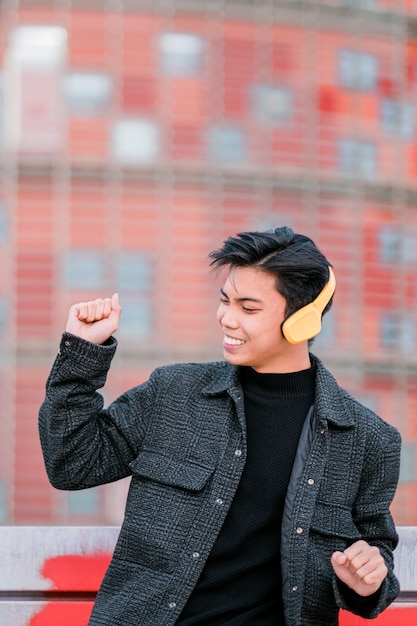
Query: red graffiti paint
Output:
(84,573)
(64,614)
(76,572)
(71,573)
(393,616)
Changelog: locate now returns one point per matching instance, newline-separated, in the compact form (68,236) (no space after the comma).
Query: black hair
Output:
(300,269)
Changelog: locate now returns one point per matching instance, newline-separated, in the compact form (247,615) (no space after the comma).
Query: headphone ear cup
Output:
(302,325)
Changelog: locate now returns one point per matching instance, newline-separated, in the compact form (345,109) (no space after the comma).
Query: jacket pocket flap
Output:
(335,520)
(163,469)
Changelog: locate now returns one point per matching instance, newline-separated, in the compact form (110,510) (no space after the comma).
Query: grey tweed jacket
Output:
(181,437)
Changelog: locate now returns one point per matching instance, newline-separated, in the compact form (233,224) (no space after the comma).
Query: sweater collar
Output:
(330,399)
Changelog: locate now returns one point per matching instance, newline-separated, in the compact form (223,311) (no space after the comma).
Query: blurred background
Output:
(136,136)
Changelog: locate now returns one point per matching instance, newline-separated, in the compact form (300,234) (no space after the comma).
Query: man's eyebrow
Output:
(244,299)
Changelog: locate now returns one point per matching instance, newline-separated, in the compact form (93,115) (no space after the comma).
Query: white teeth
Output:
(231,341)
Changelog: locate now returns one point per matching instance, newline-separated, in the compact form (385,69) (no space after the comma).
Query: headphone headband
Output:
(326,293)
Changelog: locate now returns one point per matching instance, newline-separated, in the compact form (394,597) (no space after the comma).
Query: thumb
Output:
(339,558)
(115,302)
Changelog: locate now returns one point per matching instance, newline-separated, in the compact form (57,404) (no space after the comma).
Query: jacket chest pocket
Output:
(164,499)
(333,527)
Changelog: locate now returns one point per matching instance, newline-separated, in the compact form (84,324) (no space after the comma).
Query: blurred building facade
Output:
(135,136)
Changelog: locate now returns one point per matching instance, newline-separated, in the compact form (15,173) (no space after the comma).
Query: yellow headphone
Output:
(306,322)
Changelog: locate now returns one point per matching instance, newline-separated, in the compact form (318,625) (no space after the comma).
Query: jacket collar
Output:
(226,380)
(330,401)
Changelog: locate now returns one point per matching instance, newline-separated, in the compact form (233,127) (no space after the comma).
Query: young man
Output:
(260,489)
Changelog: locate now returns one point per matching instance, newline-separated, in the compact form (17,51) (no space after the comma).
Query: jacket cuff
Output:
(89,355)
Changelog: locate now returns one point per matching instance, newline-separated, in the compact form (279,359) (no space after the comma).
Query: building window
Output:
(180,54)
(397,118)
(133,272)
(398,332)
(83,502)
(227,144)
(390,331)
(358,70)
(135,141)
(410,246)
(408,470)
(137,317)
(396,246)
(359,4)
(327,336)
(33,66)
(133,275)
(87,92)
(358,157)
(272,104)
(390,245)
(83,269)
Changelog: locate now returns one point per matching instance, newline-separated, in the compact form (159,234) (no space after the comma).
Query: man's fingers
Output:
(94,310)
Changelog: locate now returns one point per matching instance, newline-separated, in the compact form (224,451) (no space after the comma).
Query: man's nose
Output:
(229,319)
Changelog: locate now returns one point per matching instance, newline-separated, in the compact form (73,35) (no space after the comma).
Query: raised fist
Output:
(95,320)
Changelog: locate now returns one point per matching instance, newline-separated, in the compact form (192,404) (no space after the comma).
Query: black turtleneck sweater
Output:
(241,582)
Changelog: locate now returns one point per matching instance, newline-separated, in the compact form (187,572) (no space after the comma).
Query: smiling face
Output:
(250,314)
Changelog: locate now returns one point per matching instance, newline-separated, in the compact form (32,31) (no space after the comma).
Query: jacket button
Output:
(311,481)
(294,588)
(299,530)
(196,555)
(238,453)
(172,605)
(219,501)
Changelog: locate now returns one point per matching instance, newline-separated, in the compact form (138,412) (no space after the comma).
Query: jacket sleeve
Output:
(373,519)
(83,444)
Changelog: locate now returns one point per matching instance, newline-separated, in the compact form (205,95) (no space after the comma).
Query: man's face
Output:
(250,314)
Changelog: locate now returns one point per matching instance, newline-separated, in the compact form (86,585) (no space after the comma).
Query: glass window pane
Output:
(390,245)
(358,157)
(33,65)
(135,142)
(272,103)
(87,92)
(362,4)
(410,246)
(327,335)
(358,70)
(227,144)
(137,316)
(133,272)
(83,270)
(408,470)
(397,332)
(84,502)
(397,117)
(38,44)
(181,53)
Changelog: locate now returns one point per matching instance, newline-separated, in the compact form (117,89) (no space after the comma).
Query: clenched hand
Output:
(95,320)
(361,567)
